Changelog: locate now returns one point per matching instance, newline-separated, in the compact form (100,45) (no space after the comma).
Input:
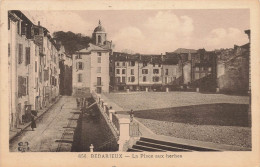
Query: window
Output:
(156,79)
(79,77)
(8,24)
(153,64)
(144,71)
(99,59)
(132,71)
(132,79)
(27,54)
(79,56)
(22,86)
(99,39)
(79,66)
(36,31)
(37,86)
(9,50)
(159,65)
(144,78)
(202,69)
(99,53)
(197,69)
(117,64)
(35,66)
(98,81)
(209,69)
(166,72)
(23,29)
(99,70)
(132,63)
(46,75)
(117,71)
(123,63)
(117,79)
(123,71)
(20,54)
(156,71)
(123,79)
(144,64)
(18,27)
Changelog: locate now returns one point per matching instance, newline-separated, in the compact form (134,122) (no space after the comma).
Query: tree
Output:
(72,42)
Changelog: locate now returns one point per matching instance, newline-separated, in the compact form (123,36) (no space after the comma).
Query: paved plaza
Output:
(156,100)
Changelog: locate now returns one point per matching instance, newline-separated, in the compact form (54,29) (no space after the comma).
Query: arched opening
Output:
(99,39)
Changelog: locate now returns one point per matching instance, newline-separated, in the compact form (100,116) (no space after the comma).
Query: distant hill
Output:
(71,41)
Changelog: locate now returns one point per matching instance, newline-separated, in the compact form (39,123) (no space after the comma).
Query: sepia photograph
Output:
(160,80)
(113,83)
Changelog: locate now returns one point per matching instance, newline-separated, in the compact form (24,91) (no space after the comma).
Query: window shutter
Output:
(24,86)
(27,51)
(20,83)
(20,51)
(77,64)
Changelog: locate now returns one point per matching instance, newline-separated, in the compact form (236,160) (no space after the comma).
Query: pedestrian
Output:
(33,123)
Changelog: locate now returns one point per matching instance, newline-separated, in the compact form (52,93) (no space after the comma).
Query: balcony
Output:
(98,84)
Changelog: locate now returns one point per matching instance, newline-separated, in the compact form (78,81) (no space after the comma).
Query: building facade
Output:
(90,67)
(65,65)
(27,61)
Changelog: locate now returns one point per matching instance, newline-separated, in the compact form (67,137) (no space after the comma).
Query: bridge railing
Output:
(119,125)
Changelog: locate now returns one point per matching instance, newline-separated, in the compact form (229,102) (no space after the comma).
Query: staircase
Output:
(153,145)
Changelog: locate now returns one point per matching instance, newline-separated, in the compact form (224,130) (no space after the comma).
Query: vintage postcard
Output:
(130,83)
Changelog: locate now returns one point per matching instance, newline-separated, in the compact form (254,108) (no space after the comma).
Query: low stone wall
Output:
(118,126)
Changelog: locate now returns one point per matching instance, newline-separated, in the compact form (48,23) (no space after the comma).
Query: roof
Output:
(183,50)
(91,47)
(99,28)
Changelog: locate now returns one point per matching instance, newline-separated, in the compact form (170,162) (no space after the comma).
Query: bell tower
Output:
(99,35)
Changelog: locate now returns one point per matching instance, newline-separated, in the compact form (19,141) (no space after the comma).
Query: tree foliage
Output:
(72,42)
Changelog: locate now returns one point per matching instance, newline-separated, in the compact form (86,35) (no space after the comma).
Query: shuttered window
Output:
(46,75)
(27,55)
(22,86)
(20,54)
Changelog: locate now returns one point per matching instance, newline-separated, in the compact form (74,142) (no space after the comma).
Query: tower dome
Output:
(99,35)
(99,28)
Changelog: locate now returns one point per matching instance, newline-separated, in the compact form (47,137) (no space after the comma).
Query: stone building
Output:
(233,69)
(26,63)
(90,67)
(65,64)
(172,71)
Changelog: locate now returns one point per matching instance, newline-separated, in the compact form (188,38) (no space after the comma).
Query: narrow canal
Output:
(92,129)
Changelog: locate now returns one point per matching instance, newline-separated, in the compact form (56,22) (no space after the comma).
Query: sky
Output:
(154,31)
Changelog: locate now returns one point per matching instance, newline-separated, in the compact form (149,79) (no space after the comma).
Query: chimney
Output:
(39,23)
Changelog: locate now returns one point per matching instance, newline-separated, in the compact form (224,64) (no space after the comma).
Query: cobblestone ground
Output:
(50,128)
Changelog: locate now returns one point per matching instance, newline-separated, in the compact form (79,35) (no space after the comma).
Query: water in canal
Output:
(92,129)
